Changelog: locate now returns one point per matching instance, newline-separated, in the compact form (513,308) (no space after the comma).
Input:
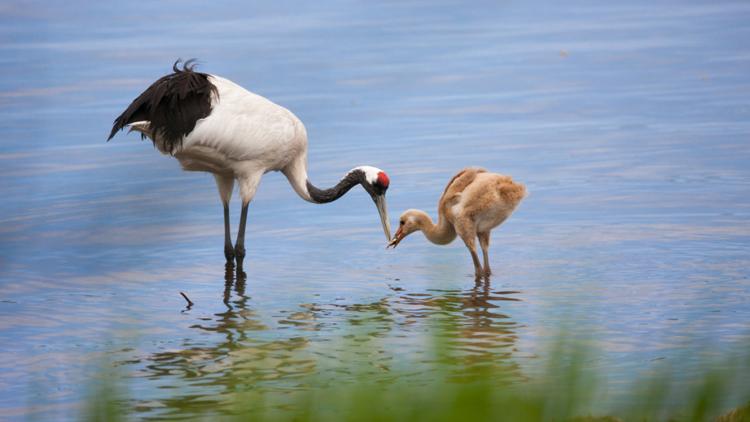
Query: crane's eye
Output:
(401,222)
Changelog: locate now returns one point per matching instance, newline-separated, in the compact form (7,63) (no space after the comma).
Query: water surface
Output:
(629,124)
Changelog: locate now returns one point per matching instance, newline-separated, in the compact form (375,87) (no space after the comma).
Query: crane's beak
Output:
(383,211)
(396,239)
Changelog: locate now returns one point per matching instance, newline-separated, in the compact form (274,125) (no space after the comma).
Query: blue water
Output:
(628,123)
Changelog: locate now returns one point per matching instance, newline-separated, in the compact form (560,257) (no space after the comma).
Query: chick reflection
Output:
(478,334)
(489,335)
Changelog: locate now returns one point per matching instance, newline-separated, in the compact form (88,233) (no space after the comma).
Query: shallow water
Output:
(628,123)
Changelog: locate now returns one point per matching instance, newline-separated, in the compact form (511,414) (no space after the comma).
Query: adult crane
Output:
(213,125)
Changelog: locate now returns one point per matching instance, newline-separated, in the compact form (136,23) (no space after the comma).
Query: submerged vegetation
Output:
(446,386)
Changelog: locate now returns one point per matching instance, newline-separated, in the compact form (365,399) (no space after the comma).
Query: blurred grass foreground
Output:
(565,388)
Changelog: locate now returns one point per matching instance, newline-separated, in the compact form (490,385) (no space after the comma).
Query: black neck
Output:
(322,196)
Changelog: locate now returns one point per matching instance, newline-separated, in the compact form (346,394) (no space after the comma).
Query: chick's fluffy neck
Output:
(441,233)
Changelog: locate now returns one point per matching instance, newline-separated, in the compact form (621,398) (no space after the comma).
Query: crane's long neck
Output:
(441,233)
(321,196)
(297,175)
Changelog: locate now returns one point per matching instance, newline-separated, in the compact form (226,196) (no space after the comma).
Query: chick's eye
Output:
(401,222)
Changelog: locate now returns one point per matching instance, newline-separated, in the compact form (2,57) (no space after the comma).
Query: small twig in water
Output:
(190,302)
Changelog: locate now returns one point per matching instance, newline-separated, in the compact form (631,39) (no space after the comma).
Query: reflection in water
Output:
(244,353)
(211,372)
(478,335)
(637,226)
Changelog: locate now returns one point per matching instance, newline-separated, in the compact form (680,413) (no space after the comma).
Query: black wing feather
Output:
(172,105)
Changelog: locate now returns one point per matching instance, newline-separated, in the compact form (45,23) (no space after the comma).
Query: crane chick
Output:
(474,202)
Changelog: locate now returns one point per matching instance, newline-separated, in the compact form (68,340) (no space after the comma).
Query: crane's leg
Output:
(239,247)
(468,234)
(248,185)
(228,248)
(484,242)
(225,183)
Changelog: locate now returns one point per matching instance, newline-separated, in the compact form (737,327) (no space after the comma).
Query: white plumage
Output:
(211,124)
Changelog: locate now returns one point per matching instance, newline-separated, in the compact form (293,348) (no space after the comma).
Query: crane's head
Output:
(376,182)
(409,222)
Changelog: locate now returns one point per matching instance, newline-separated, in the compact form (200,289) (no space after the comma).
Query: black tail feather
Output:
(173,104)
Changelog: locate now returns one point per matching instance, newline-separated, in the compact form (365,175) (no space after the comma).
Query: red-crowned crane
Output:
(211,124)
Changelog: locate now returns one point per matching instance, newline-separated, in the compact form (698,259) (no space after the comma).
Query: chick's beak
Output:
(383,211)
(396,239)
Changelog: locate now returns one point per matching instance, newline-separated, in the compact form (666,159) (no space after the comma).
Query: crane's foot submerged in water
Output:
(239,256)
(229,254)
